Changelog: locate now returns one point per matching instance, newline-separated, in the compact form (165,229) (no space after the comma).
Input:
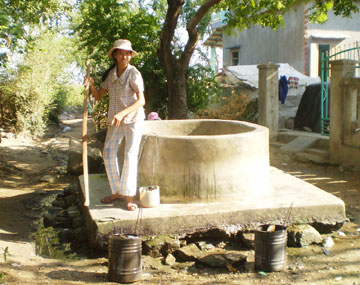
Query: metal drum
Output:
(270,249)
(124,258)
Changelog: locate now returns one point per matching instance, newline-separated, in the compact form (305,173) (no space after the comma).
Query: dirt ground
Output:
(29,167)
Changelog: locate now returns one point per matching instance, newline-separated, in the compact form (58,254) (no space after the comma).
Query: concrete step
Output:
(286,136)
(324,153)
(276,144)
(299,144)
(309,204)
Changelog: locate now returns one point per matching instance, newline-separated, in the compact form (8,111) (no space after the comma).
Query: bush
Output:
(37,89)
(201,87)
(224,107)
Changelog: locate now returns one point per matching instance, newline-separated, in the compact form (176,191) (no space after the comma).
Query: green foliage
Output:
(251,112)
(225,107)
(269,13)
(201,86)
(103,21)
(47,243)
(230,104)
(17,15)
(100,23)
(5,253)
(7,104)
(100,112)
(188,11)
(66,96)
(38,86)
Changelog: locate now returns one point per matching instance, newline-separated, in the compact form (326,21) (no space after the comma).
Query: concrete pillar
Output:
(213,59)
(340,69)
(269,97)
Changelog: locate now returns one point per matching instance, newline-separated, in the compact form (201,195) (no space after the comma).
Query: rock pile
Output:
(61,233)
(60,227)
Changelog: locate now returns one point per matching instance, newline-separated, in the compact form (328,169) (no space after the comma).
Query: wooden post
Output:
(84,138)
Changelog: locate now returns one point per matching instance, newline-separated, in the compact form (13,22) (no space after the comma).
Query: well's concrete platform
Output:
(308,203)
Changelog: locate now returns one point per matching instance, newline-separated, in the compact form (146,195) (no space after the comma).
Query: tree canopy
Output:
(153,27)
(239,15)
(35,84)
(17,16)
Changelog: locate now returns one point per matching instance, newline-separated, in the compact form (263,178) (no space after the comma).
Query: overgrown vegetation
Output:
(100,23)
(201,87)
(230,106)
(38,87)
(35,33)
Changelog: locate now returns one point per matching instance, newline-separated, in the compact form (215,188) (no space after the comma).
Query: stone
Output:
(328,242)
(324,228)
(188,253)
(204,245)
(55,209)
(309,157)
(95,160)
(71,199)
(222,259)
(80,235)
(78,222)
(303,235)
(71,189)
(61,222)
(48,178)
(161,245)
(73,212)
(49,219)
(171,246)
(150,263)
(215,260)
(65,234)
(59,203)
(290,123)
(212,234)
(170,259)
(247,239)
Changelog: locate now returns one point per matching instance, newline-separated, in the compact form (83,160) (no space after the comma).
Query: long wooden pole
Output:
(84,138)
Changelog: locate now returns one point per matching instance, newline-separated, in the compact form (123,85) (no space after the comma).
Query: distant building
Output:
(299,43)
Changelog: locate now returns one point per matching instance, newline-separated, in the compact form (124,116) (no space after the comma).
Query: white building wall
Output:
(338,32)
(263,45)
(297,43)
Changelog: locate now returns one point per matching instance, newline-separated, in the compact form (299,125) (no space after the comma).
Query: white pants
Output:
(125,185)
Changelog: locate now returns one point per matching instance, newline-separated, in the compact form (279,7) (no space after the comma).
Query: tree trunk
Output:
(176,66)
(178,107)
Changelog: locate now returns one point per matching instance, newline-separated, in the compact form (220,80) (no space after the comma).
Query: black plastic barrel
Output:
(124,258)
(270,249)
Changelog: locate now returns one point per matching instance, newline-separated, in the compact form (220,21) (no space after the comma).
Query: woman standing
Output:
(126,114)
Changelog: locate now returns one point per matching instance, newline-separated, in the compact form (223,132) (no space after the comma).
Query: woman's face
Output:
(122,57)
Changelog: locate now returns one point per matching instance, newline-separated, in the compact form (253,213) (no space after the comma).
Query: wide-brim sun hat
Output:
(124,45)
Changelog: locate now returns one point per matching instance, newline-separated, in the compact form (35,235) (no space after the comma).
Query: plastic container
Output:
(124,258)
(149,196)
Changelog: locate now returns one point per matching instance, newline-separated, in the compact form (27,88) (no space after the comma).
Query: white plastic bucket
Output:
(149,196)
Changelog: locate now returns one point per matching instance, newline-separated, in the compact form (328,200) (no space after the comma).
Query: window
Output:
(235,57)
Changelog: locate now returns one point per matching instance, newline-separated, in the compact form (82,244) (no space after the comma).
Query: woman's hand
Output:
(117,119)
(88,80)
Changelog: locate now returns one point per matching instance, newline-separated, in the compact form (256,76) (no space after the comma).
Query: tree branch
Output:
(167,34)
(200,13)
(193,31)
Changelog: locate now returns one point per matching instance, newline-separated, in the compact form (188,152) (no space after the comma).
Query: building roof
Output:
(215,39)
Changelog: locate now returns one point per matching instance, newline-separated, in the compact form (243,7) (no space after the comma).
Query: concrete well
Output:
(205,160)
